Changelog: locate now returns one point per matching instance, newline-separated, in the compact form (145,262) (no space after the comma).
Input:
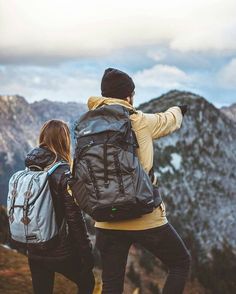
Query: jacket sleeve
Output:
(164,123)
(76,224)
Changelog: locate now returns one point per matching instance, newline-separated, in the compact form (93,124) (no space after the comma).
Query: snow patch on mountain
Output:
(176,160)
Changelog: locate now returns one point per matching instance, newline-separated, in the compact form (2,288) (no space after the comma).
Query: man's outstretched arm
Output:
(163,123)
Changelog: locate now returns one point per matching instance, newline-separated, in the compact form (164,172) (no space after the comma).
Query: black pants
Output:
(43,273)
(163,242)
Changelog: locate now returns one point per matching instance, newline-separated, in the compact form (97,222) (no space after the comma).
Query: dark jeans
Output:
(163,242)
(43,273)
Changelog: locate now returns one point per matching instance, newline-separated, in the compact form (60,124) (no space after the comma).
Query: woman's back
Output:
(42,158)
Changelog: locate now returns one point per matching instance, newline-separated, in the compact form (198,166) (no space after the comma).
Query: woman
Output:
(72,257)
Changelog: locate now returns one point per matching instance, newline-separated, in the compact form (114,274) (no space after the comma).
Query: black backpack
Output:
(110,183)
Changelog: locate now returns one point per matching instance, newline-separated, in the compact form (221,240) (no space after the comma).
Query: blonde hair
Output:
(55,135)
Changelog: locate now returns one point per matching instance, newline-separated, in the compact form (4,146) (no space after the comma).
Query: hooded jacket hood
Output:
(95,102)
(39,156)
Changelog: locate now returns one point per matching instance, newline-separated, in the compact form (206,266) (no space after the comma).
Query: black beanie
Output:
(116,84)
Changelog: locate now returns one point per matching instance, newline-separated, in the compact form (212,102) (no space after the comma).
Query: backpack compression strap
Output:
(13,196)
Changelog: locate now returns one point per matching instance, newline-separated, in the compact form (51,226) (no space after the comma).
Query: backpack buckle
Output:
(11,218)
(25,220)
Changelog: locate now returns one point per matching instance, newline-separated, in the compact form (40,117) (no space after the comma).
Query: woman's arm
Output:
(74,217)
(76,224)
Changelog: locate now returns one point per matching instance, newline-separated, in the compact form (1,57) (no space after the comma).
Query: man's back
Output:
(147,127)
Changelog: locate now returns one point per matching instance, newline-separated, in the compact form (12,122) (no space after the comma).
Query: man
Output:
(152,230)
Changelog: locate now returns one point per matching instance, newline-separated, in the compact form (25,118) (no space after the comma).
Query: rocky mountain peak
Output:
(15,110)
(230,111)
(69,111)
(196,167)
(12,98)
(176,97)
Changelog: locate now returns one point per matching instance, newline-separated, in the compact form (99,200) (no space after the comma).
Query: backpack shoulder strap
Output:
(55,166)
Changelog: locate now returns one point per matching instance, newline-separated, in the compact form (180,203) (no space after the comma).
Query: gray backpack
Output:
(32,218)
(110,183)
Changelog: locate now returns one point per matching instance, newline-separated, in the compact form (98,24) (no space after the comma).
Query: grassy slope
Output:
(15,277)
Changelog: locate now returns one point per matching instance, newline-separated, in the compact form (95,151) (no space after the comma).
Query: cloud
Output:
(57,30)
(76,82)
(162,76)
(227,75)
(59,84)
(157,54)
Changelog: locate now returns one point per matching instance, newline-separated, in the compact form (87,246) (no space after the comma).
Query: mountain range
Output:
(20,123)
(196,169)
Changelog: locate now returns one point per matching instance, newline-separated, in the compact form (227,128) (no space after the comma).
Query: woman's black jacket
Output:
(73,236)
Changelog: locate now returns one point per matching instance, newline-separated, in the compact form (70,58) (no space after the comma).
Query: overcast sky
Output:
(59,49)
